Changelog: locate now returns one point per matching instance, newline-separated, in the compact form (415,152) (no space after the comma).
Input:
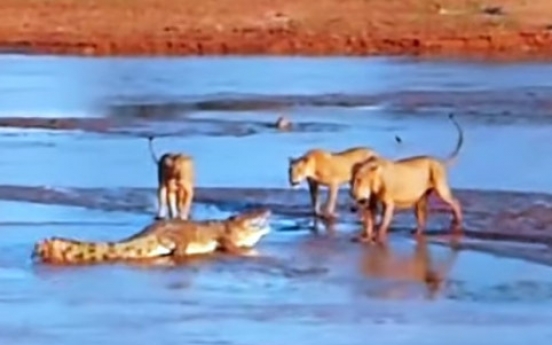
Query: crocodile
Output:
(171,237)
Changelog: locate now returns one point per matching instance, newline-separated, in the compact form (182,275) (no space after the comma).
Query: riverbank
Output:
(514,30)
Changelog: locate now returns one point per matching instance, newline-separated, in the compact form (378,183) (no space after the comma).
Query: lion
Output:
(329,169)
(404,183)
(176,182)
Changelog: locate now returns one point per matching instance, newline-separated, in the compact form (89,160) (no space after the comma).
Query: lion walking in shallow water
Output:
(404,183)
(175,184)
(328,169)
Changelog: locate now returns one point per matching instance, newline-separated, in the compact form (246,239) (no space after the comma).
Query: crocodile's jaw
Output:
(160,250)
(254,238)
(197,248)
(259,227)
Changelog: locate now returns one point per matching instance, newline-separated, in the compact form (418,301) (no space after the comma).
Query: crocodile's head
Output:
(246,229)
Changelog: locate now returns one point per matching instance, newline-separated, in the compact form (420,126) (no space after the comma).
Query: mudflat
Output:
(509,29)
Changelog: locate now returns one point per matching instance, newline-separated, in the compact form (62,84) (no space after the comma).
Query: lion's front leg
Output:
(161,202)
(186,195)
(373,206)
(367,234)
(389,209)
(368,217)
(331,203)
(171,200)
(313,192)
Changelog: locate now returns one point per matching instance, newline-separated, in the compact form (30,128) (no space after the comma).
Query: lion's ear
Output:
(356,167)
(372,165)
(291,160)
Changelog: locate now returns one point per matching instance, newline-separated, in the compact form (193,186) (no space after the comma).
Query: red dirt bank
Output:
(515,29)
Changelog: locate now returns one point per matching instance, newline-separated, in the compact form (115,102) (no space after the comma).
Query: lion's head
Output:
(299,169)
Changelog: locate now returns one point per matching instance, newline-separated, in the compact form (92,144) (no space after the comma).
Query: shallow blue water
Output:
(304,285)
(63,86)
(83,86)
(299,288)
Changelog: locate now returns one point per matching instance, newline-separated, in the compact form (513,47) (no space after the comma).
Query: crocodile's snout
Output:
(261,222)
(255,226)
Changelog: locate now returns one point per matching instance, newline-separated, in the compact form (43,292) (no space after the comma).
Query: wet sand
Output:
(491,218)
(513,29)
(75,163)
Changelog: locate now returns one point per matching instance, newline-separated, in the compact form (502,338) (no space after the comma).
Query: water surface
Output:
(300,287)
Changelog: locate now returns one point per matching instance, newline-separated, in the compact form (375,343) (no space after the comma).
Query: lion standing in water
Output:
(404,183)
(329,169)
(176,182)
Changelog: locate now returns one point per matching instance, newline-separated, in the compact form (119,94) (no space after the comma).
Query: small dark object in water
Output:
(283,123)
(493,10)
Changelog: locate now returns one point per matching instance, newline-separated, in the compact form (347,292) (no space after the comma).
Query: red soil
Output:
(516,29)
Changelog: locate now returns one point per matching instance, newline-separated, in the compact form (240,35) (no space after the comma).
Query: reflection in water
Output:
(381,261)
(328,225)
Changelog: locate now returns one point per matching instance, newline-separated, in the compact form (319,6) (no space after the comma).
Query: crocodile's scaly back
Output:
(158,239)
(62,250)
(166,237)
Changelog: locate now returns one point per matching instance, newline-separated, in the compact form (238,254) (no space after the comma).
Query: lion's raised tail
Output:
(454,154)
(150,144)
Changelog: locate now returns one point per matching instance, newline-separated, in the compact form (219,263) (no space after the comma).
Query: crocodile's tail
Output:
(67,251)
